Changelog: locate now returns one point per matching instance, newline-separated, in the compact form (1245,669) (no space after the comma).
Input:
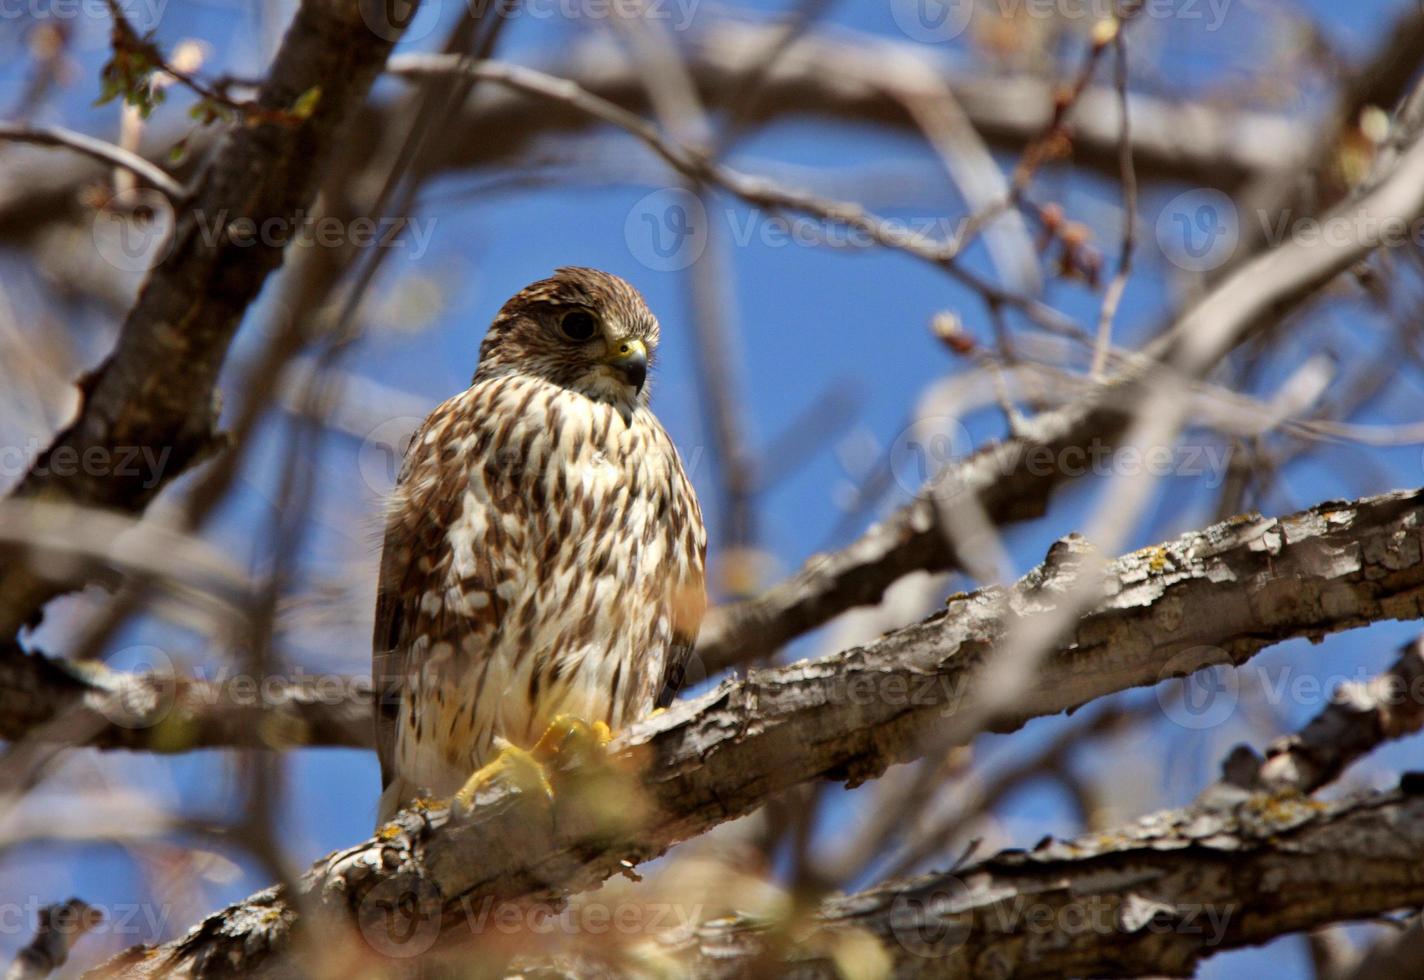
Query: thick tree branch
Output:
(1208,598)
(1026,912)
(90,706)
(1014,480)
(1151,899)
(158,387)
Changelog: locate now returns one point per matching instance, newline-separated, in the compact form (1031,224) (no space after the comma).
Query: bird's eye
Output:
(578,325)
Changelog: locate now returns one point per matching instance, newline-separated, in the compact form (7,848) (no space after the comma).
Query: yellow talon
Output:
(572,738)
(514,766)
(566,740)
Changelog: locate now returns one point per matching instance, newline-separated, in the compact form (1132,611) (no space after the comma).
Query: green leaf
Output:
(306,102)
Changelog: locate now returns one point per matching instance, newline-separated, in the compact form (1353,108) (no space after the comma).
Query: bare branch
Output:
(96,149)
(864,79)
(1209,598)
(1358,718)
(176,336)
(1203,144)
(1150,899)
(1015,479)
(166,712)
(60,927)
(696,165)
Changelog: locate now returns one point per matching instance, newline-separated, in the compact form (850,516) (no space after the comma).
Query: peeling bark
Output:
(1211,597)
(1150,899)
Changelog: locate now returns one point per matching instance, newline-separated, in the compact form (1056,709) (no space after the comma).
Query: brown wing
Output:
(418,561)
(390,639)
(690,537)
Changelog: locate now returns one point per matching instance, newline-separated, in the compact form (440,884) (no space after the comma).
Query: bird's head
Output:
(581,329)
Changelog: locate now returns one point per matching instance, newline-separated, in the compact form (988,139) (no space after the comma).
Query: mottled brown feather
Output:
(544,550)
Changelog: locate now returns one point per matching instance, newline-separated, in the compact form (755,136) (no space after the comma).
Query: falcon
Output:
(543,563)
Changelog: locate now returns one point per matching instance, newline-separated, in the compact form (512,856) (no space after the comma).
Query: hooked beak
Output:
(630,359)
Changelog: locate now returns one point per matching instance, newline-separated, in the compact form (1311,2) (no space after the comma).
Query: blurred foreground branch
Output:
(60,927)
(89,705)
(1209,598)
(158,387)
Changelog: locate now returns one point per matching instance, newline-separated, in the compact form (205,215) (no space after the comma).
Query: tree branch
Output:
(157,389)
(1208,598)
(96,149)
(1358,718)
(90,706)
(858,82)
(1151,899)
(1015,479)
(60,926)
(1198,143)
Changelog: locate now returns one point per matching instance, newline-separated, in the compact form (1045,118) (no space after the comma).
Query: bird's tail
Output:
(398,793)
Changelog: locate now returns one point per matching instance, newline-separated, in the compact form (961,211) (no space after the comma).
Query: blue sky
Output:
(806,320)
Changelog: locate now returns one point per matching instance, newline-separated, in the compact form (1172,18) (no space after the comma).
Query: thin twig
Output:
(1118,286)
(96,149)
(755,190)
